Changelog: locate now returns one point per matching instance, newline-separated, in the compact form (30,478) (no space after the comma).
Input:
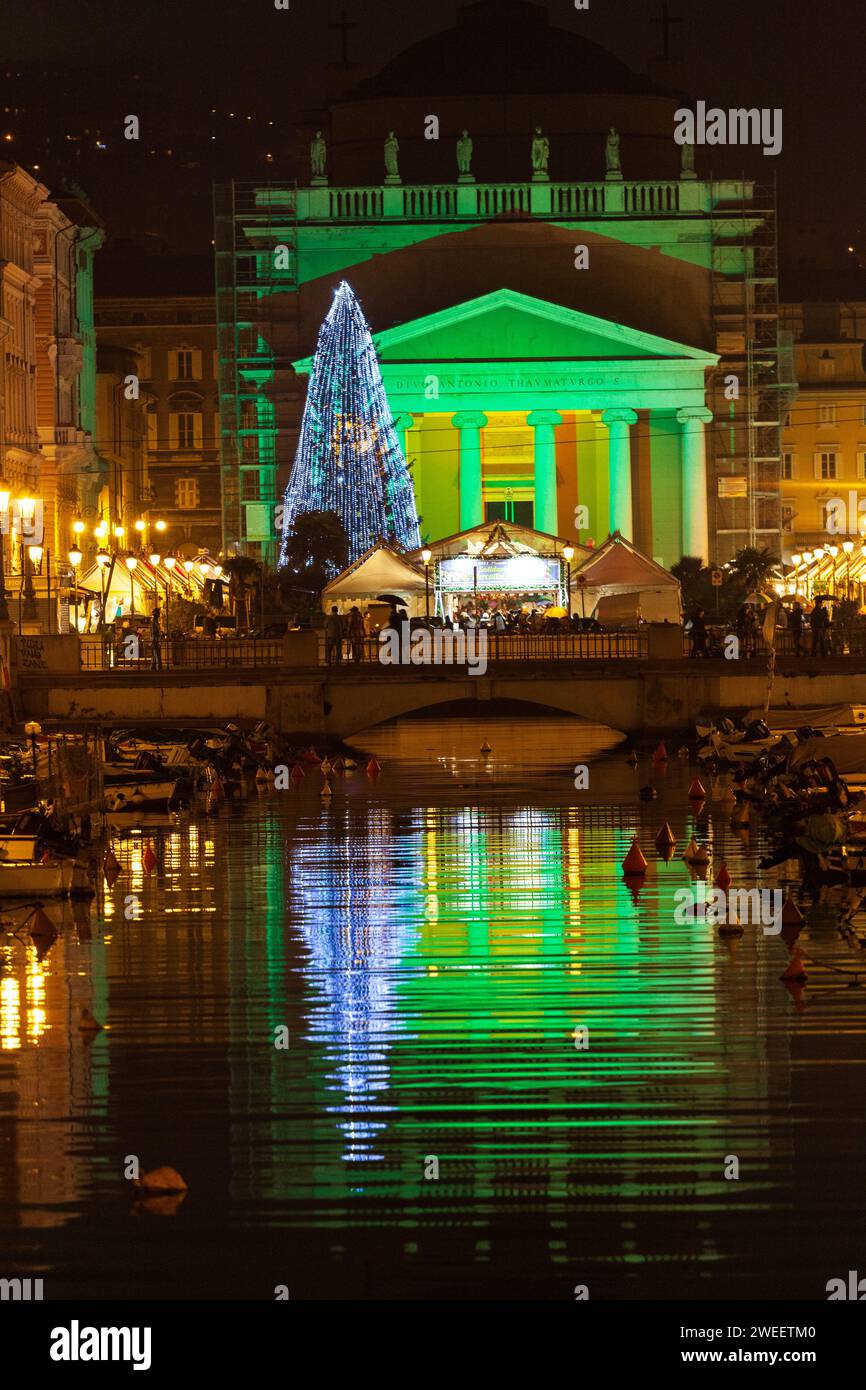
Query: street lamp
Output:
(4,523)
(131,562)
(75,558)
(102,559)
(847,547)
(568,555)
(427,556)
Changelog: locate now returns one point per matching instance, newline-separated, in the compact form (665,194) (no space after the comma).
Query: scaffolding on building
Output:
(255,248)
(753,386)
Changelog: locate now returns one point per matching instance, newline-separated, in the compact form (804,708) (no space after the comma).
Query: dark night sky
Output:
(804,57)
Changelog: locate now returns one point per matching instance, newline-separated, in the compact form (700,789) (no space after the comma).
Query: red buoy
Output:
(697,791)
(149,860)
(723,878)
(634,862)
(794,969)
(791,914)
(661,753)
(373,768)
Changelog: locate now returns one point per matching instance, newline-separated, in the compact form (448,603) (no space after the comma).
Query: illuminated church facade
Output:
(577,330)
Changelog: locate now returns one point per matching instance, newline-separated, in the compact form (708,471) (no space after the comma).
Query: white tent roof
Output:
(380,571)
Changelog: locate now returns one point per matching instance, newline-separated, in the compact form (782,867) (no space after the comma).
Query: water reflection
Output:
(439,943)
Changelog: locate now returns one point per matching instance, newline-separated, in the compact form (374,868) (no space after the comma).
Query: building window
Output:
(250,489)
(788,514)
(789,467)
(184,364)
(826,415)
(825,466)
(186,493)
(861,462)
(185,431)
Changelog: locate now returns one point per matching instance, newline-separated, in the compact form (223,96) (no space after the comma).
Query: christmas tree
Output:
(349,460)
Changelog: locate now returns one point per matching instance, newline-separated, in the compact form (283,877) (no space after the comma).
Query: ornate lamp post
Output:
(75,558)
(33,565)
(4,523)
(833,551)
(131,562)
(27,511)
(103,559)
(847,547)
(568,556)
(427,556)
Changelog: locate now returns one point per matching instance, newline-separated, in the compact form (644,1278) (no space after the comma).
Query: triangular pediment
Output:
(507,324)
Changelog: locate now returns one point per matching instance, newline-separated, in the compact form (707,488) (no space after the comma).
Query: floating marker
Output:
(665,838)
(160,1180)
(695,853)
(634,862)
(661,753)
(697,791)
(632,758)
(723,878)
(87,1023)
(791,914)
(149,860)
(373,768)
(485,747)
(795,969)
(41,924)
(261,774)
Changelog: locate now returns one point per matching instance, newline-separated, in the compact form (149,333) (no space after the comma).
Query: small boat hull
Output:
(61,878)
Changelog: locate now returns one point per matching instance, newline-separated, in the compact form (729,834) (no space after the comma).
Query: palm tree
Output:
(751,568)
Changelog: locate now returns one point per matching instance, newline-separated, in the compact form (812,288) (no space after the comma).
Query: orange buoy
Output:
(697,791)
(791,914)
(665,842)
(149,860)
(723,878)
(661,753)
(794,969)
(297,774)
(41,924)
(373,768)
(695,853)
(634,862)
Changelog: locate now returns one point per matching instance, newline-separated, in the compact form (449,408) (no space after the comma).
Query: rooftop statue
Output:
(392,152)
(540,154)
(464,154)
(318,156)
(612,169)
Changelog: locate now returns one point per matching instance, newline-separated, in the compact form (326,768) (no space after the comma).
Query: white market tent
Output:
(380,571)
(623,584)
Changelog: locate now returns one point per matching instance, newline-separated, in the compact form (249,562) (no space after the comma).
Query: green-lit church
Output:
(577,327)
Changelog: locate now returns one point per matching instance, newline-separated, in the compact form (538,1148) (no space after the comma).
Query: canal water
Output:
(435,947)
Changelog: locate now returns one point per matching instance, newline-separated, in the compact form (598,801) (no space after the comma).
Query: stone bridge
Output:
(636,697)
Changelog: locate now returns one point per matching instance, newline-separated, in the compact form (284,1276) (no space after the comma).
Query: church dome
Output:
(499,72)
(503,48)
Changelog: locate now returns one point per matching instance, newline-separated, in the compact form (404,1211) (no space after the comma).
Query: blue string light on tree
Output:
(349,459)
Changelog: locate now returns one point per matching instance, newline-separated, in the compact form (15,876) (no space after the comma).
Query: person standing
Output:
(699,634)
(819,622)
(356,633)
(334,637)
(795,627)
(156,638)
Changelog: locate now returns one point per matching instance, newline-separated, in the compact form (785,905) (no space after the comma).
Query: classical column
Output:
(544,423)
(619,470)
(470,423)
(696,531)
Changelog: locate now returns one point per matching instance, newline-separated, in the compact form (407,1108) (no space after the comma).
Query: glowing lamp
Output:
(140,524)
(154,557)
(75,558)
(847,546)
(568,552)
(131,561)
(78,527)
(170,562)
(795,559)
(35,552)
(103,558)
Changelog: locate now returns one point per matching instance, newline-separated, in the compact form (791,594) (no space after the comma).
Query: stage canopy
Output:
(622,583)
(381,570)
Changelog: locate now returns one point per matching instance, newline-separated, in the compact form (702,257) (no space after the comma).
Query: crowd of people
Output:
(345,633)
(814,628)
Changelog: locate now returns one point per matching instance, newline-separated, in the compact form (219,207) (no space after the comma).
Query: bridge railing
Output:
(181,654)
